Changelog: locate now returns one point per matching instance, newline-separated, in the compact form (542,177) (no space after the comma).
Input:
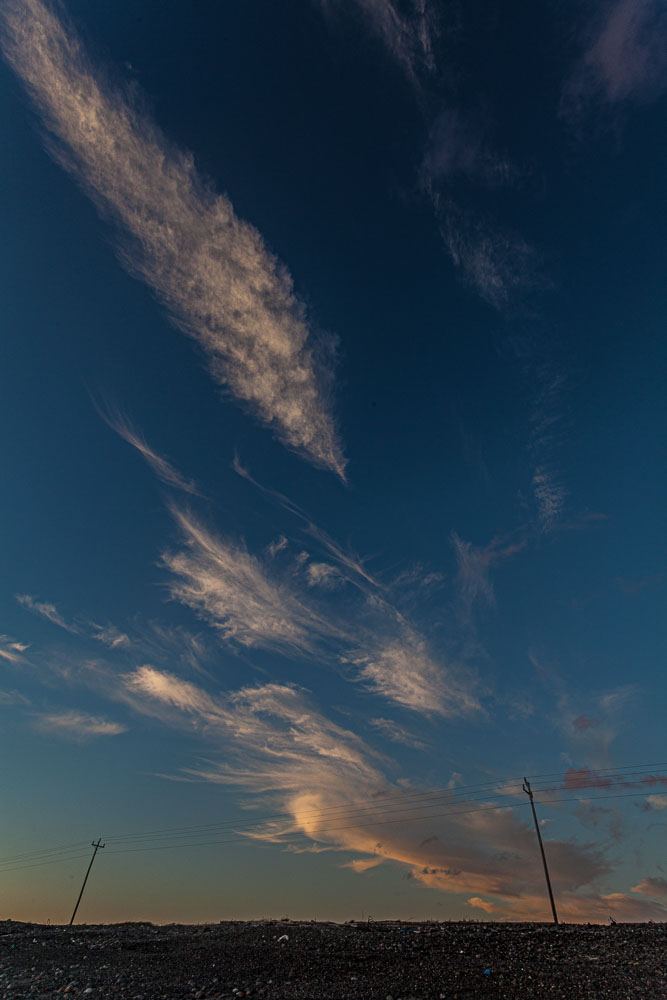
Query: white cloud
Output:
(495,262)
(234,592)
(273,738)
(657,801)
(168,689)
(173,644)
(625,56)
(212,271)
(10,650)
(475,564)
(110,636)
(46,610)
(76,726)
(13,698)
(408,31)
(243,598)
(160,466)
(279,545)
(473,576)
(403,671)
(550,496)
(323,575)
(347,560)
(458,148)
(397,734)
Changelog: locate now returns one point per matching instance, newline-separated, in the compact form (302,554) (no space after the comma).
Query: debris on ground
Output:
(355,961)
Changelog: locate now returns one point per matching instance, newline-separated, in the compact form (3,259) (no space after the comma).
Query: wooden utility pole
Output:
(527,789)
(97,847)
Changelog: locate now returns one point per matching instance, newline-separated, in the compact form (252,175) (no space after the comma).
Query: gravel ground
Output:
(280,960)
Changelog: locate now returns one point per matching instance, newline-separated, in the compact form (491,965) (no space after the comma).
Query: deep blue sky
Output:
(333,408)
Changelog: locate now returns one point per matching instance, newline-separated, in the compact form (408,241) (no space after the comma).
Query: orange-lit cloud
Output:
(335,793)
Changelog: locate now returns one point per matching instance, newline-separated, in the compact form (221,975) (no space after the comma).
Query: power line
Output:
(367,810)
(47,850)
(380,822)
(238,839)
(38,864)
(369,805)
(342,813)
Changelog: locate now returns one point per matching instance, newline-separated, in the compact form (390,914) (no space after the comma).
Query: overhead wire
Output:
(370,812)
(420,800)
(377,820)
(382,822)
(411,798)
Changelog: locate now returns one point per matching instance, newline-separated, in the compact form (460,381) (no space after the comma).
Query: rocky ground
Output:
(288,960)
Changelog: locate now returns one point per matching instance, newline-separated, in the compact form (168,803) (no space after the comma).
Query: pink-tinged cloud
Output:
(332,792)
(485,904)
(583,777)
(656,887)
(582,723)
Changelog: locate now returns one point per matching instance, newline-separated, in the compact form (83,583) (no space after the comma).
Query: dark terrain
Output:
(370,961)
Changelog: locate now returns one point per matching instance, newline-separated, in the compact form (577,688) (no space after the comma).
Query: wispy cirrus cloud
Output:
(656,887)
(475,564)
(77,726)
(323,575)
(334,792)
(351,565)
(13,697)
(459,148)
(236,594)
(44,609)
(494,261)
(550,495)
(273,737)
(212,271)
(409,31)
(10,650)
(163,469)
(546,385)
(403,671)
(624,57)
(246,601)
(393,731)
(110,636)
(460,156)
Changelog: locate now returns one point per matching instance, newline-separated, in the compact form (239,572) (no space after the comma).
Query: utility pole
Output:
(97,847)
(527,789)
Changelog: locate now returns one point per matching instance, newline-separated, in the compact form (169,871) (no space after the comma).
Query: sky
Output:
(333,459)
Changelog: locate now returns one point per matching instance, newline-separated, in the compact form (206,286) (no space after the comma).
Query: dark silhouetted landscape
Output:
(374,961)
